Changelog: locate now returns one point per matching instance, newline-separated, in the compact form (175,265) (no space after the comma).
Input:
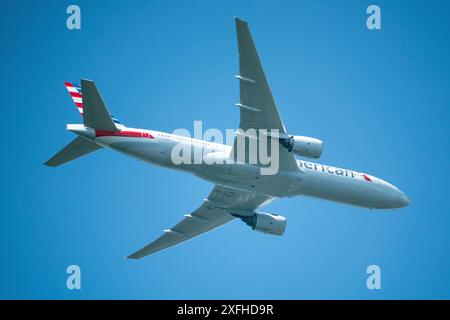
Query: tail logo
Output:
(75,93)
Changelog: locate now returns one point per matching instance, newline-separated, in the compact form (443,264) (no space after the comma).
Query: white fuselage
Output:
(310,179)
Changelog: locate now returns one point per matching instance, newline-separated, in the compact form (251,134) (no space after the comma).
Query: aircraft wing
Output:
(257,105)
(210,215)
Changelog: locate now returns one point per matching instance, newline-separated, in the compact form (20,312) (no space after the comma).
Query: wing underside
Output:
(213,213)
(204,219)
(257,106)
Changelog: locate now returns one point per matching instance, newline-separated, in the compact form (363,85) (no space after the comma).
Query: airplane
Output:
(240,188)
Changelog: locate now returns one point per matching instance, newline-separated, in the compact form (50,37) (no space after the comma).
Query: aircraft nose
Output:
(403,200)
(395,198)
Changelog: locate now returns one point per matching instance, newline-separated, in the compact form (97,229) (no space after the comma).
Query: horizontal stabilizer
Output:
(77,148)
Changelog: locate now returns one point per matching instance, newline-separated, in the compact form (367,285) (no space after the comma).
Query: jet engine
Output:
(266,222)
(303,146)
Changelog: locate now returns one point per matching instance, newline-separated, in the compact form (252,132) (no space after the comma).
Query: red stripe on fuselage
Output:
(366,177)
(123,133)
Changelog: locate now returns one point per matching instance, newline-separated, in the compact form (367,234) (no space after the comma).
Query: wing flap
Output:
(228,198)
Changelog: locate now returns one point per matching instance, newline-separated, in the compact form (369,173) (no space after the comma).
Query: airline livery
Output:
(241,185)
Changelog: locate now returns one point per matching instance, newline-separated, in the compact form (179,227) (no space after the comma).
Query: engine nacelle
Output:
(303,146)
(266,222)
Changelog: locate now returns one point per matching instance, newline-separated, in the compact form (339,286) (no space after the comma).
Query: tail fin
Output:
(77,148)
(75,92)
(95,116)
(95,112)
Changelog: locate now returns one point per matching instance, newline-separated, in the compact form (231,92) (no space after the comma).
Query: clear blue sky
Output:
(379,99)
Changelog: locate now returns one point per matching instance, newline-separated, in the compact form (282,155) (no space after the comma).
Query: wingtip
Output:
(132,257)
(48,164)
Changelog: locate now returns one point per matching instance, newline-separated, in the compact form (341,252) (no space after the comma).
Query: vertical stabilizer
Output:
(95,112)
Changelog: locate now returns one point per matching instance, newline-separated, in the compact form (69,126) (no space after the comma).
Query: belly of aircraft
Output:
(249,178)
